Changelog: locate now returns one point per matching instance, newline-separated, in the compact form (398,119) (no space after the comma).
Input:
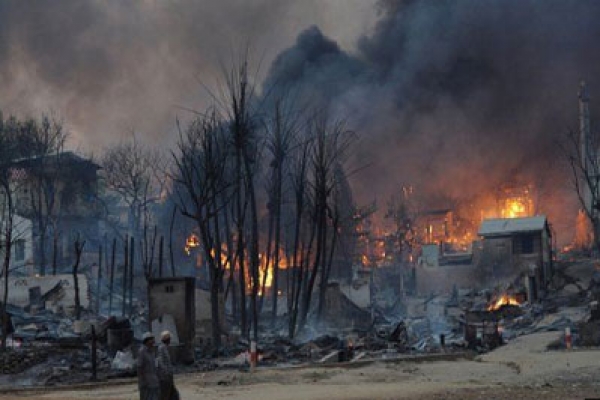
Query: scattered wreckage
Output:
(458,324)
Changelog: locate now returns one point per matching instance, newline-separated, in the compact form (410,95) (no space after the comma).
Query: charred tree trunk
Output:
(125,270)
(171,255)
(99,283)
(254,251)
(267,259)
(54,252)
(78,250)
(8,231)
(112,276)
(131,274)
(160,257)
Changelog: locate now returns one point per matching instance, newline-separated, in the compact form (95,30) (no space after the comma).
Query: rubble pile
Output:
(14,361)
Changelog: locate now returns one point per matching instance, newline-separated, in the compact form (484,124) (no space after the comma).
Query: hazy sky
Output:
(107,67)
(452,97)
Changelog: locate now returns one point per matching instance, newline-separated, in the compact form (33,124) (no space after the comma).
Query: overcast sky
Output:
(107,67)
(452,97)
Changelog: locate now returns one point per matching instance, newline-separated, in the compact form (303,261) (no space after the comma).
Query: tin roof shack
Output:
(174,297)
(517,248)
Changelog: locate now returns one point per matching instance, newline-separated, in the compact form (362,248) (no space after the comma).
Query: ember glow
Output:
(504,300)
(515,202)
(268,269)
(191,243)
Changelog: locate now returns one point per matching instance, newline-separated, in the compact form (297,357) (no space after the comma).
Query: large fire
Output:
(503,300)
(268,269)
(265,271)
(515,208)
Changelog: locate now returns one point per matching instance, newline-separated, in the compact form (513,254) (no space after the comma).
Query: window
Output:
(169,289)
(524,244)
(20,250)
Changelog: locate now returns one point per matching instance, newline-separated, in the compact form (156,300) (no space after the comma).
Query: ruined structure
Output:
(515,248)
(172,299)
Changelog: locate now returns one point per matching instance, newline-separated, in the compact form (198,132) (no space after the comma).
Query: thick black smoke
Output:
(457,97)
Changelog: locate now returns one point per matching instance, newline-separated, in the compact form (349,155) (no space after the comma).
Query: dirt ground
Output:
(523,369)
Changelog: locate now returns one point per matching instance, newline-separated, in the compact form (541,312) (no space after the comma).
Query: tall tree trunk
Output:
(8,230)
(254,251)
(54,251)
(171,255)
(78,250)
(131,274)
(240,246)
(267,260)
(125,269)
(99,283)
(112,276)
(160,256)
(276,260)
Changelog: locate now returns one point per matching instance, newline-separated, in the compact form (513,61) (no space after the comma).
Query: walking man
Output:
(165,369)
(146,369)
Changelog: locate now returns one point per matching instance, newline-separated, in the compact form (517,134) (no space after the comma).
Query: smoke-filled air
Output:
(453,99)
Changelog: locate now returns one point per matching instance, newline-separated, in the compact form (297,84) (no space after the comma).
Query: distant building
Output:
(22,243)
(58,192)
(517,247)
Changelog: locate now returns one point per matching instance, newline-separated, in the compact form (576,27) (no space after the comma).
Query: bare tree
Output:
(584,162)
(16,141)
(43,164)
(138,176)
(281,131)
(199,181)
(331,143)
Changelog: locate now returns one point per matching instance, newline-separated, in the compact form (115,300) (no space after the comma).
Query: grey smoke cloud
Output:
(107,67)
(453,97)
(457,97)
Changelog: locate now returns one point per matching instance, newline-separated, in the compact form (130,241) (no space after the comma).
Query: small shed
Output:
(174,297)
(514,247)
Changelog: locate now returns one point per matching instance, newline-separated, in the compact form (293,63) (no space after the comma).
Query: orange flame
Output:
(504,300)
(191,243)
(515,208)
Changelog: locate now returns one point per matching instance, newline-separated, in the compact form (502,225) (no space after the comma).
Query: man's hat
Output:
(165,335)
(147,336)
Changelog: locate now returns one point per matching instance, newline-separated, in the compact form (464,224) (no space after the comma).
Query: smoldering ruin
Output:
(426,192)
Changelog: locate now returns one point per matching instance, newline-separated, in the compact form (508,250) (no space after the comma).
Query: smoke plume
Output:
(451,97)
(457,97)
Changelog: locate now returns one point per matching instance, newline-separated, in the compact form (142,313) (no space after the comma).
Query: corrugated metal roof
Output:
(503,226)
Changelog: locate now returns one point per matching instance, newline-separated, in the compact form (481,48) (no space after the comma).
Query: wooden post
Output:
(99,287)
(131,270)
(112,276)
(171,256)
(94,361)
(125,267)
(160,256)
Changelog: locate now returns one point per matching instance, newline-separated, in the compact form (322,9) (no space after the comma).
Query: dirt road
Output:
(520,370)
